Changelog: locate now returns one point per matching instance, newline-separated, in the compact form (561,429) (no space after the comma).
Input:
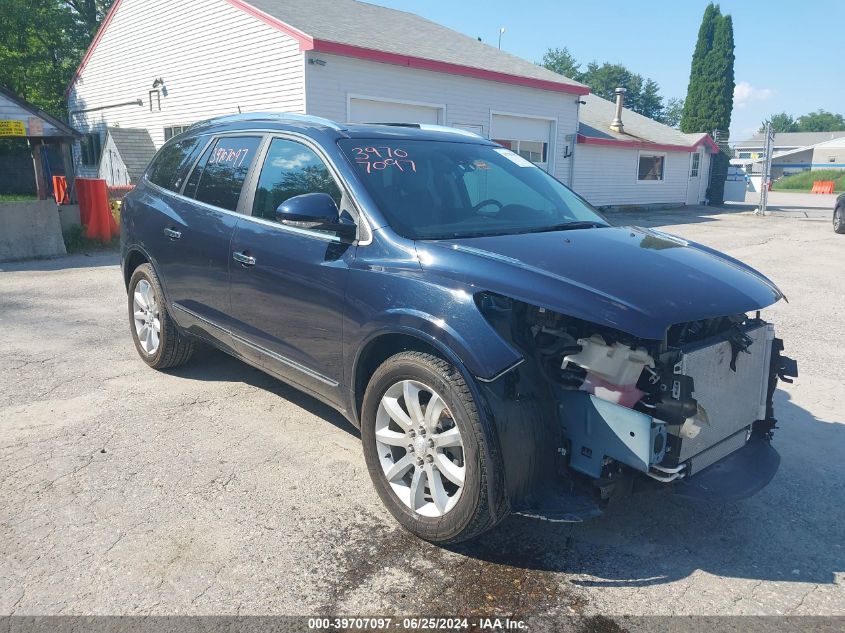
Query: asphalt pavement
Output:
(214,489)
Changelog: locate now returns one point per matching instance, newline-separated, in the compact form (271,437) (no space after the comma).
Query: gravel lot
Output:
(214,489)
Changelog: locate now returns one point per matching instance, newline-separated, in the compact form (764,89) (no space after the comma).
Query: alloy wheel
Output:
(420,448)
(145,312)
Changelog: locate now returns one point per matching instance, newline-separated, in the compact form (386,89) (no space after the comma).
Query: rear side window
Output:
(219,176)
(171,164)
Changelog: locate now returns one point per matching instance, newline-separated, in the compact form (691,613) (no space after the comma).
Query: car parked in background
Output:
(500,345)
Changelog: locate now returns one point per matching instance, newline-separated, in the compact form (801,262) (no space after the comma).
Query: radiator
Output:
(730,400)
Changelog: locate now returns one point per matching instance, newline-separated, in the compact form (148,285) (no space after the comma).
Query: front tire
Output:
(426,450)
(156,338)
(839,219)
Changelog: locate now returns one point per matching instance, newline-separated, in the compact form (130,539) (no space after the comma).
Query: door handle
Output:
(173,234)
(243,258)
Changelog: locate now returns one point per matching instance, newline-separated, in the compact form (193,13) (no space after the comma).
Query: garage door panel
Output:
(520,128)
(371,111)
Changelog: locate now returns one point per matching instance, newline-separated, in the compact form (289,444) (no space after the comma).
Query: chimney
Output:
(616,124)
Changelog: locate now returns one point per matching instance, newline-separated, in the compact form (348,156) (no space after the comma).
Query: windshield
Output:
(440,190)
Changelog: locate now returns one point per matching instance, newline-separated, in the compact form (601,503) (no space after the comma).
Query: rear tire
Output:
(435,453)
(839,219)
(156,338)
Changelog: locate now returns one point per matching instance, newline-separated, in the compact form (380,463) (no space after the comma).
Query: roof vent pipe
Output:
(616,124)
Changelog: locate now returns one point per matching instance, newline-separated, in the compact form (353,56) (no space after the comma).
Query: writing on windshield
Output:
(383,157)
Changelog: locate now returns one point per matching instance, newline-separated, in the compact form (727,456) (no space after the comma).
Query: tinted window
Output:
(221,172)
(291,169)
(438,189)
(170,165)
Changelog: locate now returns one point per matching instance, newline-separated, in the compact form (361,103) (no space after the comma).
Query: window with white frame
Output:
(650,167)
(534,151)
(694,165)
(173,130)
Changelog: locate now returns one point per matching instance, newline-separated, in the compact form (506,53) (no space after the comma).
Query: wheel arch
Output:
(384,344)
(134,258)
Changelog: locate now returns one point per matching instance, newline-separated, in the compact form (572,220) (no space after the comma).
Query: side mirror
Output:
(314,211)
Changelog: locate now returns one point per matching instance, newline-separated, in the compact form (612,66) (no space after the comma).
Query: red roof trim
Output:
(306,42)
(384,57)
(612,142)
(106,21)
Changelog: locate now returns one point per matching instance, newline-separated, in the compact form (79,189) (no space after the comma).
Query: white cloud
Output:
(291,163)
(745,93)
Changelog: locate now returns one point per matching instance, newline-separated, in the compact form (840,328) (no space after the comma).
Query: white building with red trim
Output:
(161,66)
(638,161)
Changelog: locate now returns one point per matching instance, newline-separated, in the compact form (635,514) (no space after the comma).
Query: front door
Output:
(694,184)
(288,284)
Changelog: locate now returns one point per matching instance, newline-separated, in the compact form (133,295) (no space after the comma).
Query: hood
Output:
(640,281)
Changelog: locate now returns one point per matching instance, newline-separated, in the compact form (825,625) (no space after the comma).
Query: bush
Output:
(77,242)
(804,181)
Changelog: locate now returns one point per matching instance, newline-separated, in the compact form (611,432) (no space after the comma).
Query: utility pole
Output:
(767,168)
(501,32)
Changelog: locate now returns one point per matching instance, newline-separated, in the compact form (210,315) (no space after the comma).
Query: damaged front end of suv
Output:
(626,385)
(630,411)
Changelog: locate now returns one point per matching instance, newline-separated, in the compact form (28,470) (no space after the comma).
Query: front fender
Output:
(447,318)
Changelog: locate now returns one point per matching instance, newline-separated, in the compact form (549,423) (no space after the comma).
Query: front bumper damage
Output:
(716,448)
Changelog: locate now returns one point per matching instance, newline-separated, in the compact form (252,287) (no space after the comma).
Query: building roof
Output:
(135,147)
(594,127)
(376,28)
(791,139)
(362,30)
(23,104)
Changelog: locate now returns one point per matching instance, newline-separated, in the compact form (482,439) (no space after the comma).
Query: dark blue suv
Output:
(500,345)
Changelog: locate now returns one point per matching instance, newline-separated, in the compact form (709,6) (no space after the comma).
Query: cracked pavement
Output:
(214,489)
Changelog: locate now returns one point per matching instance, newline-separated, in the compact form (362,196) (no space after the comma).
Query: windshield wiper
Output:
(569,226)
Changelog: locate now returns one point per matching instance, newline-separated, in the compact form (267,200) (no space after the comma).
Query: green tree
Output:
(709,101)
(41,44)
(89,13)
(673,108)
(820,121)
(780,122)
(561,61)
(643,95)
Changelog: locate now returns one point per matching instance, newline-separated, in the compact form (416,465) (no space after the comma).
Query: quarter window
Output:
(291,169)
(172,163)
(219,176)
(651,167)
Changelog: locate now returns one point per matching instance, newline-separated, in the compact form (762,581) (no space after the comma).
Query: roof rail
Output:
(272,116)
(433,128)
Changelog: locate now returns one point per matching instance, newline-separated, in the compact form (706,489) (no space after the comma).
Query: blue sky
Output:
(787,52)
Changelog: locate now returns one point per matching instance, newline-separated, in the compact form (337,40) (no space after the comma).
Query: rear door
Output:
(193,257)
(289,284)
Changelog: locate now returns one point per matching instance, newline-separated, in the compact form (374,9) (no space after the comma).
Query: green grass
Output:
(804,180)
(17,197)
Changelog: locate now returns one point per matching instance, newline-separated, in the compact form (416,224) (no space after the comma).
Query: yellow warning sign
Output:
(12,128)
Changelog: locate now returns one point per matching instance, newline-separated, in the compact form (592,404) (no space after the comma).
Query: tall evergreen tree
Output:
(709,101)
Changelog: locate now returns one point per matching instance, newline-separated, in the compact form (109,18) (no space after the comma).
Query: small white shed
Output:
(644,163)
(126,154)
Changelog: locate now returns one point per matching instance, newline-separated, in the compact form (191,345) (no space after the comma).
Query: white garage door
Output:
(528,137)
(371,111)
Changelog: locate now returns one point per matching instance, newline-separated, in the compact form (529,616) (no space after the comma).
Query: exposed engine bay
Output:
(627,407)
